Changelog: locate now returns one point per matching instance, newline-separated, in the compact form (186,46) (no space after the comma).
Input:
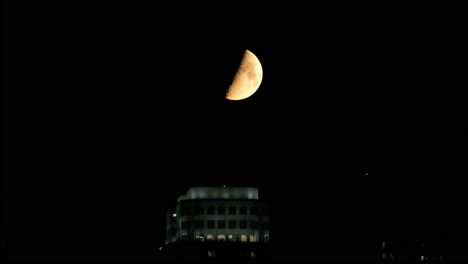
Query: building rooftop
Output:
(220,193)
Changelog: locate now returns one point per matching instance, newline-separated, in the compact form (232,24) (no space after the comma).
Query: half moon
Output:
(247,79)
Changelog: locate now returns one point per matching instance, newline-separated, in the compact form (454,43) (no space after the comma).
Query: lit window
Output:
(243,238)
(200,237)
(253,238)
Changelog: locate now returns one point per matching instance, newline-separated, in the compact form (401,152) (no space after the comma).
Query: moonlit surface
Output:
(247,79)
(249,193)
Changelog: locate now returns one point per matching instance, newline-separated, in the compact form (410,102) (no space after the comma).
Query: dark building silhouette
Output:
(413,251)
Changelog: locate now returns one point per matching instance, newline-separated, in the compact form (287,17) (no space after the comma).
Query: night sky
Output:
(113,111)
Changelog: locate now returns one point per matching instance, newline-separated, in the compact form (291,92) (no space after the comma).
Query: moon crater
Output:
(247,78)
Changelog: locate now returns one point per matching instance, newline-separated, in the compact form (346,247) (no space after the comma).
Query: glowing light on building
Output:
(219,214)
(243,238)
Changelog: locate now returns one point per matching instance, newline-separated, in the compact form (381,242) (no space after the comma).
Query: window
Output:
(253,238)
(253,224)
(199,210)
(243,224)
(221,224)
(243,210)
(264,211)
(232,224)
(185,224)
(200,237)
(210,224)
(210,209)
(253,210)
(199,224)
(243,238)
(221,210)
(186,211)
(264,225)
(232,210)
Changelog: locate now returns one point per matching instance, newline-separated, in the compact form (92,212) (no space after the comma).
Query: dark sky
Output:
(112,111)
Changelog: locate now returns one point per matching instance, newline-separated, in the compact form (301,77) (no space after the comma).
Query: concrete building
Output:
(219,214)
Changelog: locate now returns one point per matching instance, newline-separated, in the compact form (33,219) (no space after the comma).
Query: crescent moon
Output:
(247,79)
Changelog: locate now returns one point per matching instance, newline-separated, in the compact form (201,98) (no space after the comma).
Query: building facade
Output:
(219,214)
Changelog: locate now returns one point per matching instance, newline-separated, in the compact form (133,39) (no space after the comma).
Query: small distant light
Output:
(174,215)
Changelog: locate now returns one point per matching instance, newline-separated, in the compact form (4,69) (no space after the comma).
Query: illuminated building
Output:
(219,215)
